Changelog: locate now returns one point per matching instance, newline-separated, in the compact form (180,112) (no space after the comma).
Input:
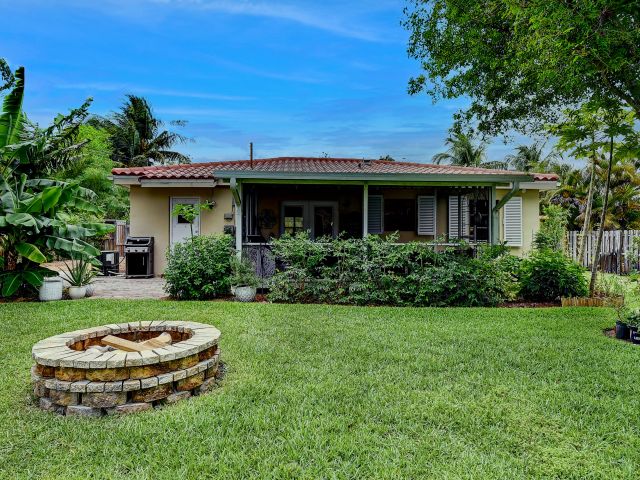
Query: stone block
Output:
(54,384)
(175,397)
(39,390)
(82,411)
(211,371)
(145,371)
(165,378)
(104,399)
(48,405)
(181,363)
(179,375)
(207,385)
(129,408)
(70,374)
(44,370)
(95,387)
(108,374)
(113,386)
(64,398)
(190,383)
(80,386)
(152,394)
(148,382)
(130,385)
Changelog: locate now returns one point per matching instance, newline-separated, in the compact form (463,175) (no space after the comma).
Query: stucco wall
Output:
(150,214)
(530,218)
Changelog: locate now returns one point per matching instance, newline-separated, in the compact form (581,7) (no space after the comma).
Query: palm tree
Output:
(464,153)
(531,158)
(137,136)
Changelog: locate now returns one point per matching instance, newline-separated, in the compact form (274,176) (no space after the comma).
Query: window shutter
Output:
(453,216)
(376,214)
(512,218)
(427,215)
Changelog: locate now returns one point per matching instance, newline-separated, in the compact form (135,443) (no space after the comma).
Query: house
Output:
(256,200)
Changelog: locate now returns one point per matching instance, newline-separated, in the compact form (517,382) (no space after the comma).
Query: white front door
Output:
(180,228)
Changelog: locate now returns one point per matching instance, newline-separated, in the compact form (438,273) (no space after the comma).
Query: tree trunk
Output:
(587,212)
(603,217)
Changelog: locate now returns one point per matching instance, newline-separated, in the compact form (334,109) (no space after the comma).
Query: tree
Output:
(137,137)
(521,62)
(35,212)
(530,158)
(463,152)
(190,212)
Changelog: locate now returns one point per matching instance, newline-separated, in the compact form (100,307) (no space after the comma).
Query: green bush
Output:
(376,271)
(547,275)
(553,229)
(199,268)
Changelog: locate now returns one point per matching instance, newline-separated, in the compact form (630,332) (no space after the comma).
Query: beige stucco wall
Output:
(150,214)
(530,218)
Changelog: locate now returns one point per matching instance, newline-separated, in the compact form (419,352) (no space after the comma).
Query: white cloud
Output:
(123,87)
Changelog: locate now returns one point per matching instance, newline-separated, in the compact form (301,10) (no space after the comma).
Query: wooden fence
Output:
(117,239)
(617,254)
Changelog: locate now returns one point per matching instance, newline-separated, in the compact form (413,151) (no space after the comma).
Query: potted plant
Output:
(244,280)
(633,319)
(79,273)
(51,289)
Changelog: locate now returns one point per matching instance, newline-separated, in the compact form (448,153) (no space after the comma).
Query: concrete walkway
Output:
(128,288)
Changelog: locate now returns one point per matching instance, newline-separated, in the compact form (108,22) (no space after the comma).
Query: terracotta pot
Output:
(76,293)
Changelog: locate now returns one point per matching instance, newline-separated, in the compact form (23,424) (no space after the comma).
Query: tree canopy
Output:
(522,62)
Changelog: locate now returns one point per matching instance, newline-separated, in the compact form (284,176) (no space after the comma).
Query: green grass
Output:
(343,392)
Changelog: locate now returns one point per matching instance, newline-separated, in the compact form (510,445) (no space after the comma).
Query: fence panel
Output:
(616,251)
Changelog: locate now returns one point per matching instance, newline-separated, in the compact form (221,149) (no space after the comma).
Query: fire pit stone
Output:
(77,374)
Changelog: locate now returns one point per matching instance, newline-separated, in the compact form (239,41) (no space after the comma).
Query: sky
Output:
(296,78)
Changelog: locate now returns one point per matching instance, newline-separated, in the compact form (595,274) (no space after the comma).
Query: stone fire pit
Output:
(73,377)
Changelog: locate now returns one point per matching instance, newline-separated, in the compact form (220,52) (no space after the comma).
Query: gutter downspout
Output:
(236,190)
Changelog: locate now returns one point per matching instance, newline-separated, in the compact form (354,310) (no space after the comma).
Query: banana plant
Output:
(35,214)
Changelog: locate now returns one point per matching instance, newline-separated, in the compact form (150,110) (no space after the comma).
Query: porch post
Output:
(365,209)
(494,221)
(236,188)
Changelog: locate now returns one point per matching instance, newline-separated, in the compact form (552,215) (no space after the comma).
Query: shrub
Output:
(547,275)
(243,272)
(553,230)
(377,271)
(199,268)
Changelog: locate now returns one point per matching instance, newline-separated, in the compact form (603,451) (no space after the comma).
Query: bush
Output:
(199,268)
(553,230)
(376,271)
(547,275)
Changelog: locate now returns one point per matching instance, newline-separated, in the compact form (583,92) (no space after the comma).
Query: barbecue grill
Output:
(139,257)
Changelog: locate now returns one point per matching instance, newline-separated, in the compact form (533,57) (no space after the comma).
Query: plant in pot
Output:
(244,280)
(79,273)
(633,320)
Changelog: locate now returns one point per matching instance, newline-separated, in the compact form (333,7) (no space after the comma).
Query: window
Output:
(427,215)
(456,203)
(400,214)
(375,214)
(293,219)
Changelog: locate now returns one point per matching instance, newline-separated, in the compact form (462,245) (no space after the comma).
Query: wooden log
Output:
(158,342)
(122,344)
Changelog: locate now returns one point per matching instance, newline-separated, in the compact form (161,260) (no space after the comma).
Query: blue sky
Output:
(295,77)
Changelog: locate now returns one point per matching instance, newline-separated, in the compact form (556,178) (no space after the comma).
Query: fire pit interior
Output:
(126,367)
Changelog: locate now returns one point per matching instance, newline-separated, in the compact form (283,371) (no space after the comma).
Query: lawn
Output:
(345,392)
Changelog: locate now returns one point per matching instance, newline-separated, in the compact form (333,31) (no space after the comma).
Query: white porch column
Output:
(494,219)
(236,189)
(365,209)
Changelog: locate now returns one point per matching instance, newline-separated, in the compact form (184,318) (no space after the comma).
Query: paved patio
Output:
(128,288)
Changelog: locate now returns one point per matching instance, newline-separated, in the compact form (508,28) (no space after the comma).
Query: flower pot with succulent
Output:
(244,280)
(79,273)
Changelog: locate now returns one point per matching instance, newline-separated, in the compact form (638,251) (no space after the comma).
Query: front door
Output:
(180,227)
(324,219)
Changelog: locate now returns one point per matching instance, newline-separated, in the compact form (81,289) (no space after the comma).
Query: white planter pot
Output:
(90,290)
(245,294)
(51,289)
(77,292)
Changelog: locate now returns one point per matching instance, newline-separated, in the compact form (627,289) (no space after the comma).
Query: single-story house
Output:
(256,200)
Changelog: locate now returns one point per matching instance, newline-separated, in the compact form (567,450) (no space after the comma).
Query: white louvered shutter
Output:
(427,215)
(453,216)
(512,218)
(376,214)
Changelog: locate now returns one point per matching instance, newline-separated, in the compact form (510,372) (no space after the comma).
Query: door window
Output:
(293,219)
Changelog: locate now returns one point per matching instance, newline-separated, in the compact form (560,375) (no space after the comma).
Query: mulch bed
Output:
(529,304)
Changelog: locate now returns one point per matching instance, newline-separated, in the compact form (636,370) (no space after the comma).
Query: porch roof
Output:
(326,168)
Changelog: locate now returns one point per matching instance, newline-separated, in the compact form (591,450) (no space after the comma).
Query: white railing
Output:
(616,252)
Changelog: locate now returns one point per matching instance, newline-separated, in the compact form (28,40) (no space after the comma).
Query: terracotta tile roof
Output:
(211,170)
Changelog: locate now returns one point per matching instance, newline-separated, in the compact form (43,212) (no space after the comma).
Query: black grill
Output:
(139,257)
